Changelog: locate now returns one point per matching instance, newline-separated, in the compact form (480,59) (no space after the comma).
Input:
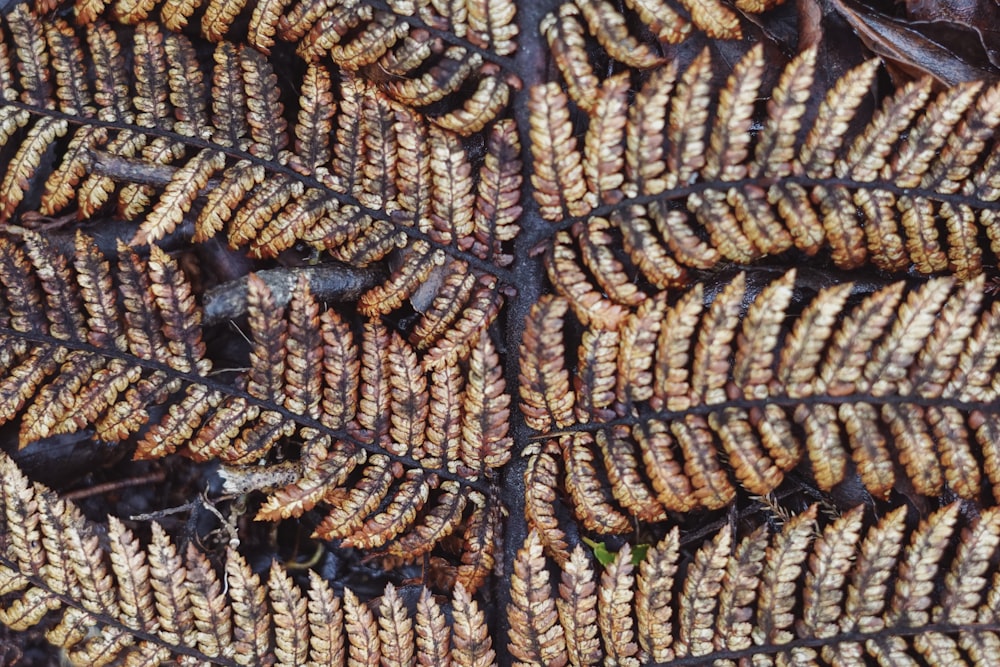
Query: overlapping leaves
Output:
(887,589)
(124,600)
(849,593)
(395,465)
(203,142)
(386,142)
(680,183)
(897,386)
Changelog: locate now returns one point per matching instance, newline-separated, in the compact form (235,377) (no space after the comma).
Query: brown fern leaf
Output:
(350,508)
(577,607)
(150,603)
(745,197)
(603,143)
(609,27)
(375,421)
(558,175)
(471,642)
(362,37)
(167,160)
(447,305)
(104,364)
(540,482)
(321,468)
(438,523)
(879,385)
(566,40)
(910,621)
(326,642)
(592,498)
(402,507)
(573,283)
(395,630)
(479,314)
(671,22)
(544,382)
(485,444)
(482,543)
(536,635)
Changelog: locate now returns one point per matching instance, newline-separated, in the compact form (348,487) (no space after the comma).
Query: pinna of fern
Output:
(897,386)
(201,137)
(684,184)
(89,347)
(418,53)
(102,600)
(205,145)
(852,591)
(817,591)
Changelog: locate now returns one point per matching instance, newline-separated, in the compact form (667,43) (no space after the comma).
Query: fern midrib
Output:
(530,62)
(783,401)
(681,193)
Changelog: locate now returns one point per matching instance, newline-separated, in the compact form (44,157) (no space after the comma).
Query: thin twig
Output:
(139,171)
(107,487)
(328,282)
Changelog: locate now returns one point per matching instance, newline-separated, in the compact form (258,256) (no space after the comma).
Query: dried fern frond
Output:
(388,135)
(894,385)
(798,595)
(206,140)
(671,22)
(123,600)
(75,359)
(361,37)
(908,188)
(558,175)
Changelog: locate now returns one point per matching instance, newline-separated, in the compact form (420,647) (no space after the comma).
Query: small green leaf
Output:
(601,552)
(639,553)
(605,557)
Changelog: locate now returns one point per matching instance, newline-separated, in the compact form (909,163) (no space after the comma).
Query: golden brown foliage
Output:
(151,603)
(206,140)
(893,385)
(95,364)
(897,597)
(225,145)
(694,189)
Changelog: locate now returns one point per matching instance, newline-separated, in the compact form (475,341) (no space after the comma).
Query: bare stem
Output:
(328,282)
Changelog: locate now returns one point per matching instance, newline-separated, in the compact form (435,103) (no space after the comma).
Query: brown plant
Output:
(511,280)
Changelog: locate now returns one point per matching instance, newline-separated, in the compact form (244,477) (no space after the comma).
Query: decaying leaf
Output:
(617,299)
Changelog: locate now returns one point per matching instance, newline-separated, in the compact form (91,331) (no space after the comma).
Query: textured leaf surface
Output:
(490,301)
